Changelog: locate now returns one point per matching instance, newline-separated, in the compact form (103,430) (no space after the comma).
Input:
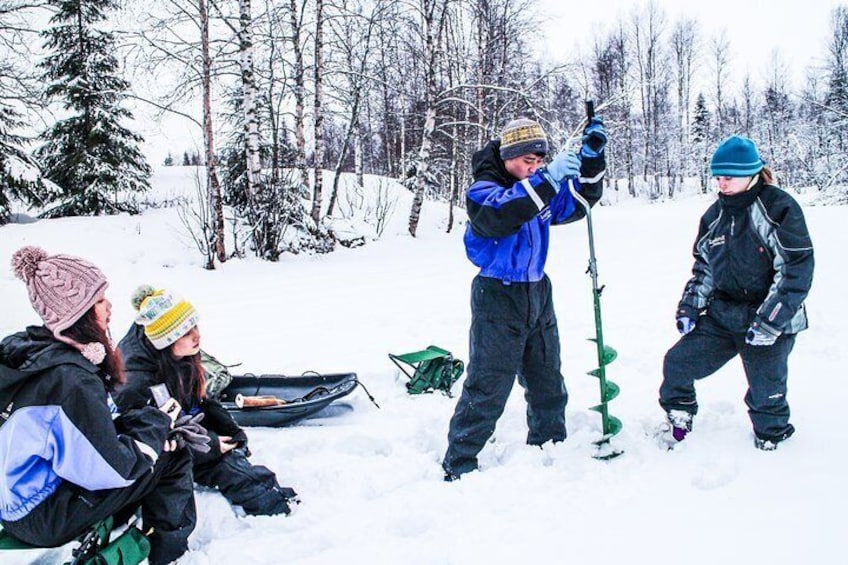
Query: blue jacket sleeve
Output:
(499,211)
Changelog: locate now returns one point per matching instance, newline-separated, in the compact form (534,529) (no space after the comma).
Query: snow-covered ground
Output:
(370,478)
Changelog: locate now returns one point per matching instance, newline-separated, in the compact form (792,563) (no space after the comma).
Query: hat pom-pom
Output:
(25,261)
(140,294)
(94,352)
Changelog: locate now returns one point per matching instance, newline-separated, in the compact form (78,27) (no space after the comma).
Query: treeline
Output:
(281,92)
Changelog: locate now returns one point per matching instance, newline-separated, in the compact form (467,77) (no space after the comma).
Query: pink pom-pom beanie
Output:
(61,288)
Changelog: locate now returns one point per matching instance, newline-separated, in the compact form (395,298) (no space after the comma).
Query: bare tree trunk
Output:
(423,164)
(453,179)
(721,60)
(358,154)
(214,186)
(683,42)
(299,94)
(356,45)
(433,20)
(318,166)
(248,82)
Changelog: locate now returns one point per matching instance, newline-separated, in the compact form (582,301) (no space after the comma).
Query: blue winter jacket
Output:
(58,423)
(509,219)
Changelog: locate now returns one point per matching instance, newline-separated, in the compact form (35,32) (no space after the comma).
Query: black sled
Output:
(276,400)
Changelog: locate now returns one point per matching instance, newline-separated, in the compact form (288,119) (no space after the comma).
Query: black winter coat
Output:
(58,423)
(752,249)
(142,372)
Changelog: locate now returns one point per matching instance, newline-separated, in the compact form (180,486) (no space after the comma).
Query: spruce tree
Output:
(93,159)
(19,177)
(701,139)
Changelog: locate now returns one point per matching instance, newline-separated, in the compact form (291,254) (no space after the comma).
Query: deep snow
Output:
(370,478)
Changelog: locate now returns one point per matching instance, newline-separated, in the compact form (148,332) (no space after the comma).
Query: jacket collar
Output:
(743,199)
(487,165)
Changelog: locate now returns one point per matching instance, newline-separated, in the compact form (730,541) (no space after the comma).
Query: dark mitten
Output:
(594,138)
(290,498)
(188,432)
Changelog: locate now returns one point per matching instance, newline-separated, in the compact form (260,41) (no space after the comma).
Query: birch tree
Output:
(318,114)
(353,31)
(248,84)
(433,14)
(720,63)
(212,183)
(296,23)
(684,46)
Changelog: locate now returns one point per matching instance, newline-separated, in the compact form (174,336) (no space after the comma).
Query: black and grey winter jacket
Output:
(58,423)
(142,372)
(753,249)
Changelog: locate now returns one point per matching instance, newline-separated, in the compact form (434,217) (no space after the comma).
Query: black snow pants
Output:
(717,338)
(513,332)
(166,496)
(253,487)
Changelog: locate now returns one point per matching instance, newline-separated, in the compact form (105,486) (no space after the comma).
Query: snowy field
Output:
(370,478)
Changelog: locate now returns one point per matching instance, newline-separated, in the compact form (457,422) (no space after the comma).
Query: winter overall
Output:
(166,497)
(709,347)
(513,331)
(513,325)
(753,265)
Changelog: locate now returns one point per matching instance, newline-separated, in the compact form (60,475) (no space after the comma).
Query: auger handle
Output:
(593,266)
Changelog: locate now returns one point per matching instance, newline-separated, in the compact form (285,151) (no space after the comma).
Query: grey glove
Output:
(188,432)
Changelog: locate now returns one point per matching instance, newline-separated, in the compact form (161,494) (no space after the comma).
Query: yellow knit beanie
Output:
(166,317)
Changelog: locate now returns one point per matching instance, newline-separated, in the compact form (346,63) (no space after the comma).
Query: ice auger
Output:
(606,354)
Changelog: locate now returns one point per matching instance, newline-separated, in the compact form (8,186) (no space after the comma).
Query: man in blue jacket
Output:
(511,205)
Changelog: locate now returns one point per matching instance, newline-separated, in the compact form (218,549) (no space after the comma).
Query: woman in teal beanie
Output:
(753,270)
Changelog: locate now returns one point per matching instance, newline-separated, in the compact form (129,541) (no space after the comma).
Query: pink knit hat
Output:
(62,288)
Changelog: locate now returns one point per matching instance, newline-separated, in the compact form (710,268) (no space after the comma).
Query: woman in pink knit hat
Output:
(68,457)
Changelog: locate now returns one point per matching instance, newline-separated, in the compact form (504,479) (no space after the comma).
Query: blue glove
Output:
(685,324)
(761,334)
(565,164)
(594,138)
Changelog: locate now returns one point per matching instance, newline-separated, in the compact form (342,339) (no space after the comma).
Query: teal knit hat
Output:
(736,156)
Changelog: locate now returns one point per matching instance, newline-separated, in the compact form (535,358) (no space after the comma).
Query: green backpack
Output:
(218,375)
(431,369)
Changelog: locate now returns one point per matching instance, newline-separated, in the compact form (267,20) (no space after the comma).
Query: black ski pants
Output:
(253,487)
(166,496)
(709,347)
(513,332)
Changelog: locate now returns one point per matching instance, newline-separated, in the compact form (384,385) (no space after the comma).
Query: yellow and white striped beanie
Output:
(166,317)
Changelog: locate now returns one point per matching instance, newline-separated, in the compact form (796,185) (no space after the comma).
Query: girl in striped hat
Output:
(163,347)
